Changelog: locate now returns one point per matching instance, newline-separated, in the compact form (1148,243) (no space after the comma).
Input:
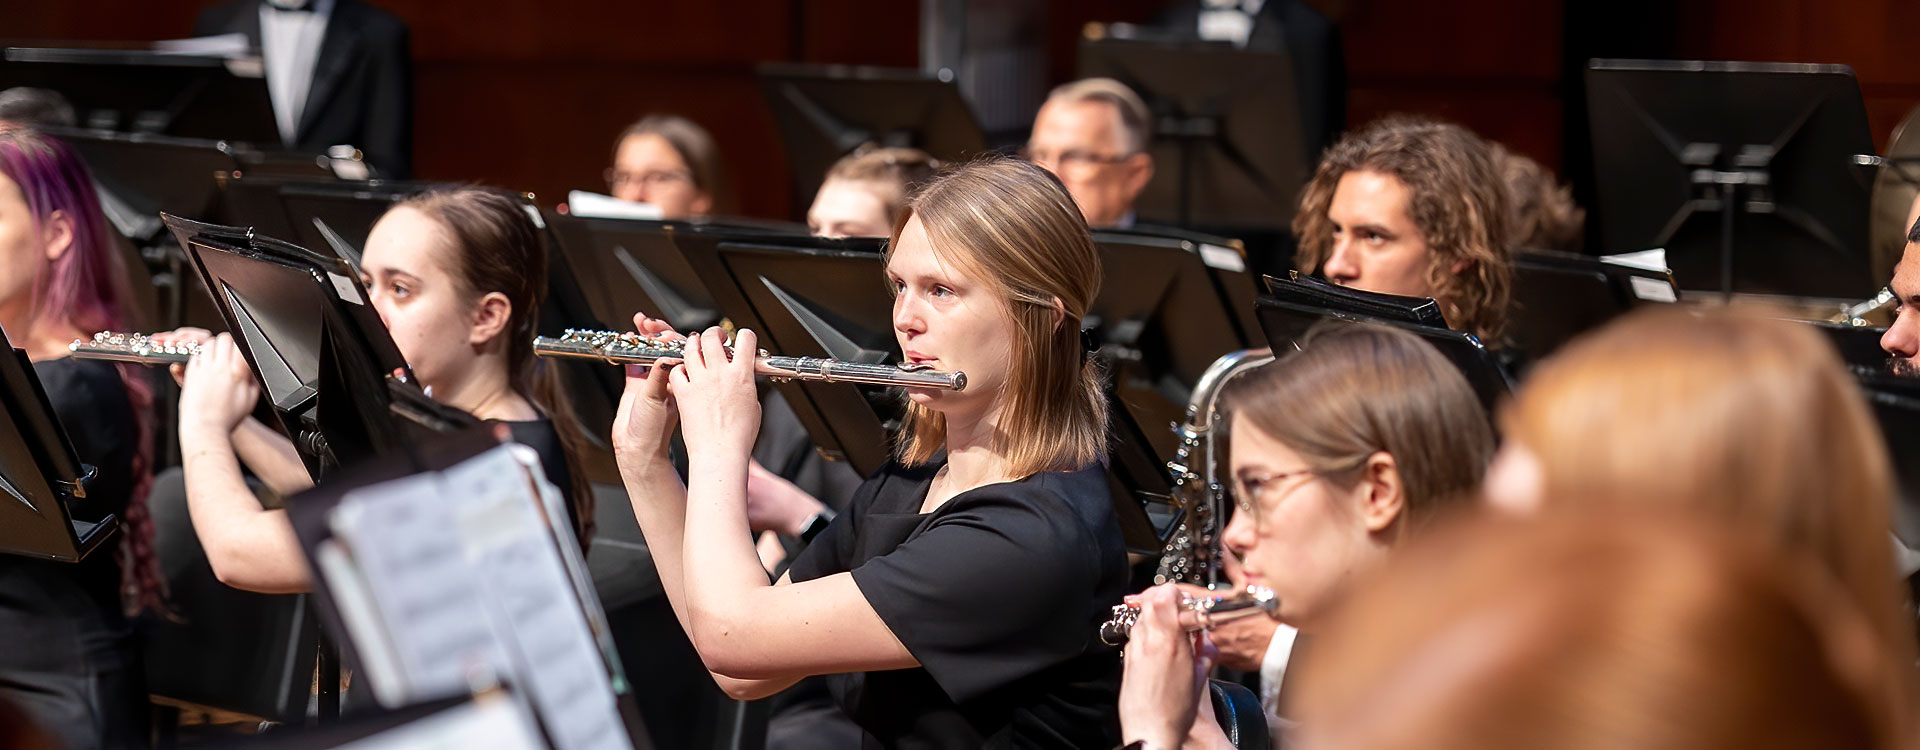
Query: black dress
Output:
(67,653)
(999,594)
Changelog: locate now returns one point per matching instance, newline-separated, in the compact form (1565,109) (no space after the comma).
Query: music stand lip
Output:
(231,148)
(83,55)
(840,72)
(1716,66)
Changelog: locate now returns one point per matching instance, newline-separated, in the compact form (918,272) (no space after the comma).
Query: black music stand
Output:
(39,473)
(1165,312)
(142,91)
(1294,306)
(626,266)
(824,112)
(1227,145)
(328,369)
(154,173)
(826,298)
(1744,172)
(1557,296)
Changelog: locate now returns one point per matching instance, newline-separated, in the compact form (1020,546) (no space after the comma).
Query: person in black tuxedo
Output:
(1290,26)
(338,71)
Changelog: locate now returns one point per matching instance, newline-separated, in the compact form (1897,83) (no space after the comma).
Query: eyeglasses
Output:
(1244,490)
(617,179)
(1073,159)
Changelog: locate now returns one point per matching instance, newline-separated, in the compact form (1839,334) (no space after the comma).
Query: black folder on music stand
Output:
(824,112)
(826,298)
(142,91)
(1557,296)
(331,378)
(1294,306)
(39,473)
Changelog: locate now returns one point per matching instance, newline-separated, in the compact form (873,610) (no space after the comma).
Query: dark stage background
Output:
(531,95)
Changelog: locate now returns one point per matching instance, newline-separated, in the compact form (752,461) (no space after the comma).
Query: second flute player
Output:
(957,601)
(1338,453)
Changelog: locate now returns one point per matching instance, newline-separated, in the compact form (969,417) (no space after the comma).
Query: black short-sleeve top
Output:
(49,610)
(999,594)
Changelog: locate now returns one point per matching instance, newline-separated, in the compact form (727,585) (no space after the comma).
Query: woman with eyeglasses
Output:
(1337,453)
(671,162)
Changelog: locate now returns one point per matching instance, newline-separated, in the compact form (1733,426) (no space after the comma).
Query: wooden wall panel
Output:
(1875,37)
(530,95)
(1489,65)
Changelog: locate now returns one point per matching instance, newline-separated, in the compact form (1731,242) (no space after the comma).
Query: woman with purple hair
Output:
(67,649)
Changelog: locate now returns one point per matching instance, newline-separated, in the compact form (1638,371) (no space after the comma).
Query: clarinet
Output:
(1196,612)
(132,347)
(638,349)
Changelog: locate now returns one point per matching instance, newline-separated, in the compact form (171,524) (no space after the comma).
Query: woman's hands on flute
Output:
(186,335)
(218,391)
(1166,672)
(719,408)
(643,425)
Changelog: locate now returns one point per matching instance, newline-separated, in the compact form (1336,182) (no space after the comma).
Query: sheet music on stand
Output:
(462,574)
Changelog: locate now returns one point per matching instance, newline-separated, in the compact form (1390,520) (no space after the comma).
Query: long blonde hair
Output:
(1748,419)
(1012,225)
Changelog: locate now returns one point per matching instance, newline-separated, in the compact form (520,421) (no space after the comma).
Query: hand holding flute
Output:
(646,348)
(1196,612)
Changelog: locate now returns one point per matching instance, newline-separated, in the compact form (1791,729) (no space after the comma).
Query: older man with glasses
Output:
(1093,134)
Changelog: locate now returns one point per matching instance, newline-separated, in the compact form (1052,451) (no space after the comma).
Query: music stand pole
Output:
(327,674)
(1728,195)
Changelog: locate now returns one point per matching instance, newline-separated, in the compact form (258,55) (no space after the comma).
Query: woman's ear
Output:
(490,318)
(703,205)
(56,234)
(1384,497)
(1059,313)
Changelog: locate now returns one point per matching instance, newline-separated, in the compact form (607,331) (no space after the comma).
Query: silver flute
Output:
(132,347)
(1197,612)
(639,349)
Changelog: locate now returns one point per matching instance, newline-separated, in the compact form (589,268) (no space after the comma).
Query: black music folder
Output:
(1558,296)
(1295,305)
(331,378)
(39,472)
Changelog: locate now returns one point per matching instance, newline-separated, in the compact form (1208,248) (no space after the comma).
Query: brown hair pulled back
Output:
(499,249)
